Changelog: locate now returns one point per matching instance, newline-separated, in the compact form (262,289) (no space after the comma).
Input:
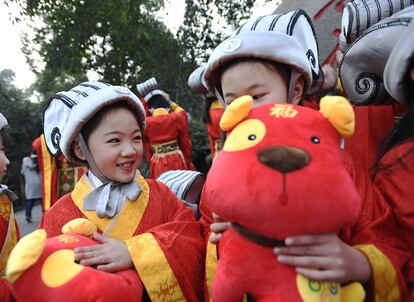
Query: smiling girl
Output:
(140,222)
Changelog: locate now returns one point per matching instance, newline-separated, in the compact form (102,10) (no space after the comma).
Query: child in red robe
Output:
(167,139)
(213,111)
(269,59)
(140,222)
(9,232)
(394,169)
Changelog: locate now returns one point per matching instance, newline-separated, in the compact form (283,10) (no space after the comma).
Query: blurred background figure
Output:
(166,137)
(31,184)
(213,110)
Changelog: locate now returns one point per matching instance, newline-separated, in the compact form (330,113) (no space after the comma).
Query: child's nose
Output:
(128,150)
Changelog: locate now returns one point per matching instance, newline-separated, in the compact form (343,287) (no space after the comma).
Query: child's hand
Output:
(324,258)
(110,256)
(218,227)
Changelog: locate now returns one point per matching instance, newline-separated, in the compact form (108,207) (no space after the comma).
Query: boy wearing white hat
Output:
(140,222)
(9,232)
(167,138)
(275,59)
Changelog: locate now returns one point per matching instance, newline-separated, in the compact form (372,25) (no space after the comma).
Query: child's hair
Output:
(282,69)
(5,138)
(158,101)
(96,120)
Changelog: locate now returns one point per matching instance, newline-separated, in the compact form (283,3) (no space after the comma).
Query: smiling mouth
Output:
(126,165)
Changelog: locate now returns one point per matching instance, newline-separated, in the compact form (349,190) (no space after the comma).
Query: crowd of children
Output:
(107,131)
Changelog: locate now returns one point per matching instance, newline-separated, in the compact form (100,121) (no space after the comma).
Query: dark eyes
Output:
(315,140)
(256,97)
(251,137)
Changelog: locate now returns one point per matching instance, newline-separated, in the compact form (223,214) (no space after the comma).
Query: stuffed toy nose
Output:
(284,159)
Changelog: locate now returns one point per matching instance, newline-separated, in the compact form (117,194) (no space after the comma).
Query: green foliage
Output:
(24,125)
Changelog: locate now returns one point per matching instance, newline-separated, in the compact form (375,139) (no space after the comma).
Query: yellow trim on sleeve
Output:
(153,268)
(124,224)
(211,265)
(386,285)
(48,167)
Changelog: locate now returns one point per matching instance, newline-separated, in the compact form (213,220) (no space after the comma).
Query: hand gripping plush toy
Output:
(280,174)
(43,269)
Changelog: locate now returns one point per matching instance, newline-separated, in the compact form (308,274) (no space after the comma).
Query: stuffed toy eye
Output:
(245,135)
(315,140)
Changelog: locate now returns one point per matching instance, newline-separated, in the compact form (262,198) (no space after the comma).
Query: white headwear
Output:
(150,88)
(358,15)
(68,111)
(196,82)
(3,121)
(399,64)
(284,38)
(362,67)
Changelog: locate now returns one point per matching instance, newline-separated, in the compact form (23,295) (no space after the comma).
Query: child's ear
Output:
(77,150)
(412,73)
(297,91)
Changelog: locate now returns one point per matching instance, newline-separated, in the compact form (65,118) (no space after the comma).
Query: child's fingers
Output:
(215,238)
(219,227)
(309,239)
(308,262)
(109,267)
(97,260)
(321,275)
(306,250)
(101,238)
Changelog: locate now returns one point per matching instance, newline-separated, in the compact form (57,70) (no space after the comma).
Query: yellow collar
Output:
(123,225)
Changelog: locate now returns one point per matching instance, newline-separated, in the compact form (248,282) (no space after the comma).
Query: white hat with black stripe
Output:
(149,88)
(358,15)
(397,79)
(287,39)
(362,68)
(68,111)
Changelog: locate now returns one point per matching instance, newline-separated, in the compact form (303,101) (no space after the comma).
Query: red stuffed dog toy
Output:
(280,174)
(41,269)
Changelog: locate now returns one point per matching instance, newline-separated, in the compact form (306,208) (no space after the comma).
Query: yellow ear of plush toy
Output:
(340,114)
(236,112)
(26,252)
(80,226)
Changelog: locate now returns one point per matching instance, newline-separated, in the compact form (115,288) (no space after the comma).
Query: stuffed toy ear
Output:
(26,252)
(80,226)
(340,114)
(236,112)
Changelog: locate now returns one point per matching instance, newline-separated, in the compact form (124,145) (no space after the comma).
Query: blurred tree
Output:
(24,125)
(123,42)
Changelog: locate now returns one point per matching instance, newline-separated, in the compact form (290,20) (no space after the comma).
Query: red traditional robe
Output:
(9,235)
(213,128)
(58,175)
(161,235)
(397,185)
(375,234)
(168,144)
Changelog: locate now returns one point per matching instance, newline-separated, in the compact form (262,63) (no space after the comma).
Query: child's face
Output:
(264,84)
(116,145)
(4,161)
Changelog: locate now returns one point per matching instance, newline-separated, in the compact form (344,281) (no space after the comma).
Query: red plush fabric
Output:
(166,128)
(372,124)
(317,198)
(89,285)
(168,220)
(395,181)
